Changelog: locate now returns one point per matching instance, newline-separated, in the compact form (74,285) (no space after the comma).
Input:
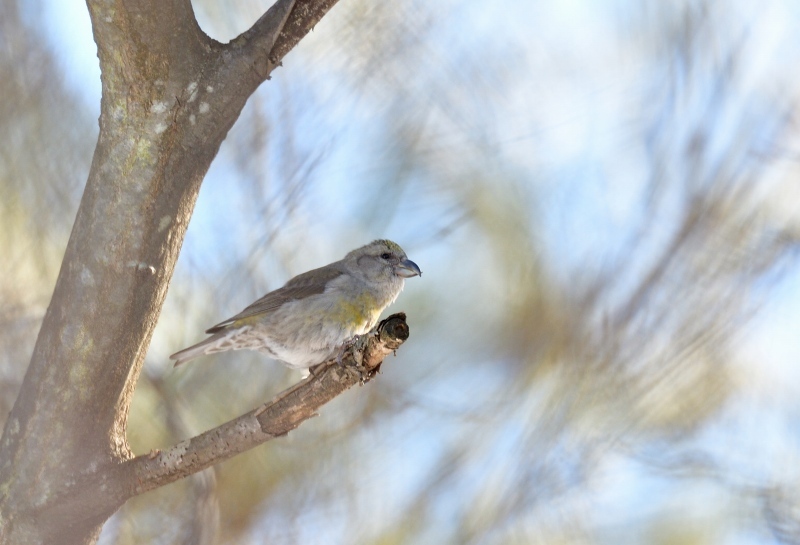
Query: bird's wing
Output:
(301,286)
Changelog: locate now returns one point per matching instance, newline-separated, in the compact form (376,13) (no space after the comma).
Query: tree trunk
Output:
(170,95)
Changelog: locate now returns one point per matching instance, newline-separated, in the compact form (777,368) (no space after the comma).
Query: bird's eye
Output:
(386,255)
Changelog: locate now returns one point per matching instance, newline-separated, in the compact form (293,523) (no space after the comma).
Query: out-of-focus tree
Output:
(39,118)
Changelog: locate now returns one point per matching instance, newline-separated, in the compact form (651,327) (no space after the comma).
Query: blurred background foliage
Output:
(604,199)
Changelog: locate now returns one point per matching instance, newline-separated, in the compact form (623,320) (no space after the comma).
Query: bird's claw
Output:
(349,343)
(340,355)
(359,342)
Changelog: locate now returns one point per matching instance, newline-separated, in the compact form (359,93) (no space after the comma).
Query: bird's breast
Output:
(358,312)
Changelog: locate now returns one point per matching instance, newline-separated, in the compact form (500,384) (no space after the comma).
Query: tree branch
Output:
(111,487)
(276,418)
(257,42)
(305,15)
(278,31)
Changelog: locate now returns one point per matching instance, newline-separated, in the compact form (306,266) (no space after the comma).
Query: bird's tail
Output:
(208,346)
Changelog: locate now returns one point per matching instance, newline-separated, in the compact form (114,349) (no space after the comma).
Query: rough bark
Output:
(170,95)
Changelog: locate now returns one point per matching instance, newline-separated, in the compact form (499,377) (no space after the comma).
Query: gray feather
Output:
(301,286)
(196,350)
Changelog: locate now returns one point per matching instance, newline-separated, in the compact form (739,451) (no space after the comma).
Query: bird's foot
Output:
(358,343)
(349,343)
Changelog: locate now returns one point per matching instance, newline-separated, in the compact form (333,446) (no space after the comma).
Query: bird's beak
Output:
(407,269)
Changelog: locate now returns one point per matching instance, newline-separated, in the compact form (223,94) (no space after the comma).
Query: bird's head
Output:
(381,261)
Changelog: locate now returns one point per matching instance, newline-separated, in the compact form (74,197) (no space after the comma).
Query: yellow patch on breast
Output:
(356,312)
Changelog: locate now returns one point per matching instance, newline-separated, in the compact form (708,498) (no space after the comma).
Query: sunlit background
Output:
(604,197)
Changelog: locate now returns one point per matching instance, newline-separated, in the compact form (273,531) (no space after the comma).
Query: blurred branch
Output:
(203,523)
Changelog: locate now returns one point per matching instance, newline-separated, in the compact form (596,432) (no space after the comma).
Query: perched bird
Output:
(305,321)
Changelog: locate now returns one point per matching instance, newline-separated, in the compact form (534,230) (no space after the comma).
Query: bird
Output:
(315,313)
